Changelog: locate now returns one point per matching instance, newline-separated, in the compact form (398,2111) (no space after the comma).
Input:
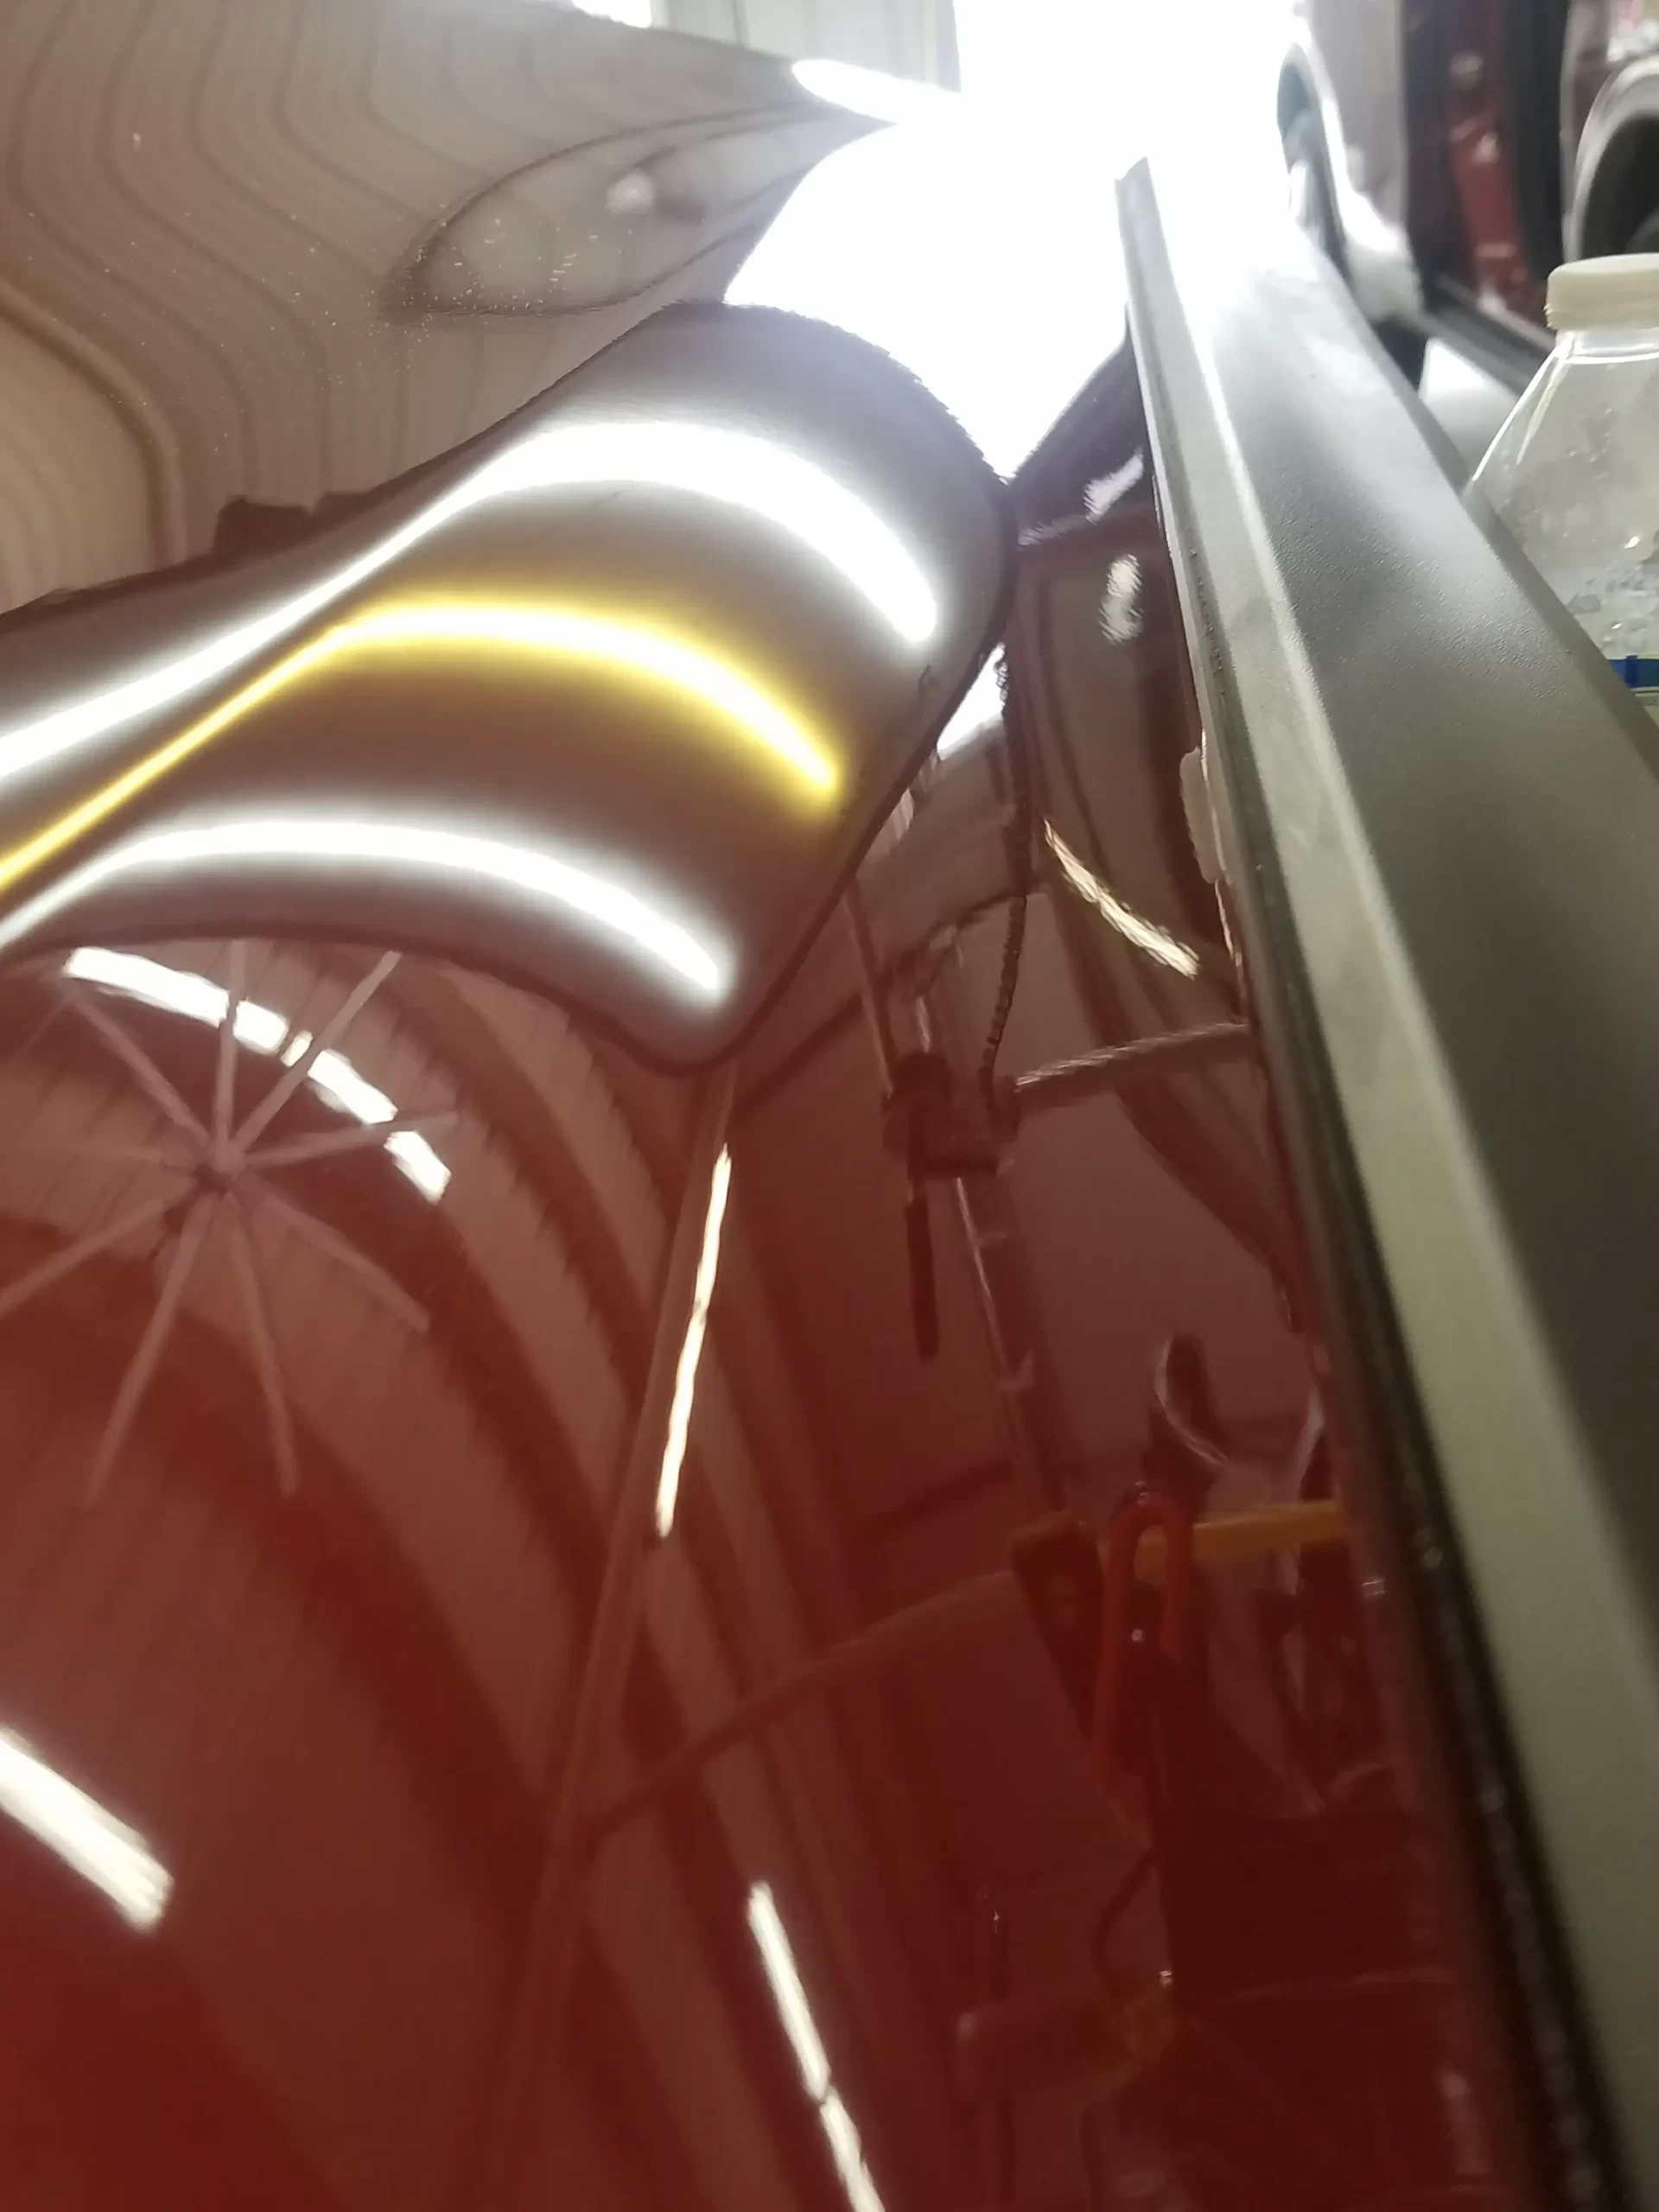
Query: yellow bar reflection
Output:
(1298,1524)
(753,715)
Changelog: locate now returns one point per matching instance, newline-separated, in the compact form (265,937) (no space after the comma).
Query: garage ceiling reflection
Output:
(607,701)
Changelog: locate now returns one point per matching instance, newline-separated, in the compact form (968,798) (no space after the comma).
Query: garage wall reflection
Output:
(85,1834)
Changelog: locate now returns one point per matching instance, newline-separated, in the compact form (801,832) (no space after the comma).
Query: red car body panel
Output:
(358,1299)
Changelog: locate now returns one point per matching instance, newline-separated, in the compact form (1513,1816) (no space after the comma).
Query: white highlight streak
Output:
(85,1834)
(179,990)
(742,471)
(788,1992)
(874,93)
(686,1379)
(596,899)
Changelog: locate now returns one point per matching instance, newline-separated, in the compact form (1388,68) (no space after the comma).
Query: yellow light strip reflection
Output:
(788,1991)
(1147,936)
(559,632)
(634,649)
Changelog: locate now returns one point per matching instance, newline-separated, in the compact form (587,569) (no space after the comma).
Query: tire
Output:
(1645,239)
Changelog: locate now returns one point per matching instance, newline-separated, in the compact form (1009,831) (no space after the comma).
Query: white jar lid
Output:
(1618,292)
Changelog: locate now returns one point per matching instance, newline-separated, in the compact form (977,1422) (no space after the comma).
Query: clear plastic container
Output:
(1574,471)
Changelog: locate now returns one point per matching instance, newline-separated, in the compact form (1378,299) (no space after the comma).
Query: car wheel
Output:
(1312,208)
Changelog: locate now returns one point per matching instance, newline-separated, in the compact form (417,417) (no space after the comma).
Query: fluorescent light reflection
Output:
(700,970)
(789,1994)
(744,470)
(562,634)
(849,2154)
(261,1029)
(1147,936)
(685,1377)
(85,1834)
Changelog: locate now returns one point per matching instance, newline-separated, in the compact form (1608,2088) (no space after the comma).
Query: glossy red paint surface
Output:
(346,1299)
(1486,143)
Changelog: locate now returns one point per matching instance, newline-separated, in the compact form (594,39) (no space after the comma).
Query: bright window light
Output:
(789,1994)
(85,1834)
(1043,52)
(179,990)
(685,1378)
(871,92)
(341,1084)
(635,13)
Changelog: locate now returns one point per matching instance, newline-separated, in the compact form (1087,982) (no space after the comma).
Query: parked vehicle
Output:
(1448,156)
